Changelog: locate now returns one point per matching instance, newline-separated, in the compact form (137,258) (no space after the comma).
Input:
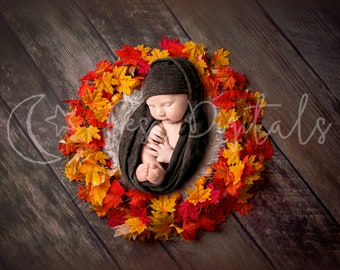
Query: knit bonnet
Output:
(168,76)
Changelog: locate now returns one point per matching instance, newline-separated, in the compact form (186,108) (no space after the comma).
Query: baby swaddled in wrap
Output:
(162,145)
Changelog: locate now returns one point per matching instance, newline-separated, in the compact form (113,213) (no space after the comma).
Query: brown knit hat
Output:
(166,78)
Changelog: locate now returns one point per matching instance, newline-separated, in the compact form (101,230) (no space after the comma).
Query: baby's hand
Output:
(156,134)
(165,151)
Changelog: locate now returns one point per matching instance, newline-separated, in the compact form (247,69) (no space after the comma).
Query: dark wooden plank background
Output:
(287,49)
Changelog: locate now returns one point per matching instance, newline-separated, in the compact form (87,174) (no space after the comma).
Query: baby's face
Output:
(168,108)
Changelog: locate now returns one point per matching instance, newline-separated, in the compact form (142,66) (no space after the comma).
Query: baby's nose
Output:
(160,112)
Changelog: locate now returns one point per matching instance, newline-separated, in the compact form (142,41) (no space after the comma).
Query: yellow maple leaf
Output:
(157,54)
(93,172)
(106,82)
(199,193)
(195,50)
(95,156)
(72,169)
(86,134)
(161,224)
(226,117)
(165,203)
(145,51)
(232,152)
(98,193)
(136,225)
(201,66)
(237,170)
(220,58)
(123,82)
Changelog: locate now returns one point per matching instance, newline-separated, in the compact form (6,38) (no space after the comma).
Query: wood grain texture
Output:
(49,45)
(300,105)
(313,28)
(290,223)
(15,58)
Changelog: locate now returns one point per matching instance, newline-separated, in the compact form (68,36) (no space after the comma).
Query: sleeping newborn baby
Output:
(166,146)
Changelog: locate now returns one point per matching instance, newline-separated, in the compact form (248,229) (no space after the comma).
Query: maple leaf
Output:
(235,132)
(225,76)
(123,82)
(106,82)
(195,50)
(187,211)
(90,76)
(232,152)
(136,225)
(98,193)
(93,172)
(200,66)
(113,197)
(244,208)
(157,54)
(84,87)
(165,203)
(143,67)
(161,224)
(141,213)
(222,171)
(116,217)
(198,194)
(243,195)
(173,46)
(215,193)
(220,58)
(226,117)
(103,66)
(85,134)
(72,169)
(138,197)
(207,223)
(190,230)
(129,54)
(225,100)
(122,229)
(233,188)
(144,50)
(84,192)
(73,120)
(237,171)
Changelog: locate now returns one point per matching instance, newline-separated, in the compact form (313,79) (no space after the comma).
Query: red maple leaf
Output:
(114,195)
(258,146)
(188,211)
(129,55)
(190,230)
(138,198)
(173,46)
(141,213)
(234,132)
(116,217)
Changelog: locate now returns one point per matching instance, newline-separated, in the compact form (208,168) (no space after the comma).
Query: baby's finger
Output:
(151,152)
(155,138)
(152,146)
(159,131)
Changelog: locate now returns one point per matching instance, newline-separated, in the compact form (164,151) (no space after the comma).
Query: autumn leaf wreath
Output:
(226,184)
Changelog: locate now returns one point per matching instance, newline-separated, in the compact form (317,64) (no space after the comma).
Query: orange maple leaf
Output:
(199,193)
(136,225)
(165,203)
